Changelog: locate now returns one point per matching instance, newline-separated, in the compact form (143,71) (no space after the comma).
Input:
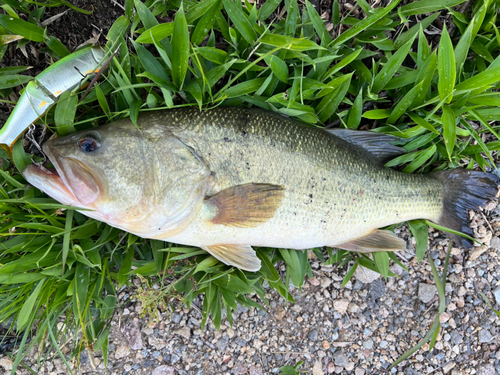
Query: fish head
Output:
(141,180)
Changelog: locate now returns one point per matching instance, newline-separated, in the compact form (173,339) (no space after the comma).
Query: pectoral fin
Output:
(245,206)
(378,240)
(241,256)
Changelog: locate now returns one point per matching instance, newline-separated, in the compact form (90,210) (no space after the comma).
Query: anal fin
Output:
(378,240)
(246,206)
(241,256)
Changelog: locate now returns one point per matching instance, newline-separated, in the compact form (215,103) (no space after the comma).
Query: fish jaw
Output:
(50,183)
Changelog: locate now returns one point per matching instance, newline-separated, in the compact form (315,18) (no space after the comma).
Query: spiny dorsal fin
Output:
(378,240)
(246,206)
(378,145)
(241,256)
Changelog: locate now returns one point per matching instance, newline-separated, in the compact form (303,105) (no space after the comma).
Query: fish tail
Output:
(464,190)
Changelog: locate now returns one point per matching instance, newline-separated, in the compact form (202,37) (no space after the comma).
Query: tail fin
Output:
(464,190)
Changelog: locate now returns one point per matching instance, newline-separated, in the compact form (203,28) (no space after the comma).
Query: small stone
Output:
(495,242)
(448,367)
(331,368)
(176,318)
(164,370)
(426,292)
(240,341)
(365,275)
(184,332)
(340,359)
(313,335)
(240,369)
(326,282)
(255,370)
(496,293)
(485,336)
(325,344)
(122,352)
(257,343)
(318,369)
(341,306)
(368,344)
(222,343)
(133,335)
(359,371)
(486,369)
(6,363)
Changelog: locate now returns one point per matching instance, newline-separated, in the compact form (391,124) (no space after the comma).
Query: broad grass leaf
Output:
(423,49)
(20,158)
(414,30)
(335,13)
(158,32)
(64,115)
(446,67)
(101,98)
(318,24)
(341,64)
(80,291)
(206,263)
(233,283)
(407,100)
(267,8)
(27,310)
(421,233)
(480,81)
(292,16)
(9,81)
(356,111)
(56,46)
(449,129)
(198,9)
(427,6)
(479,140)
(422,157)
(180,48)
(329,104)
(364,24)
(205,24)
(150,63)
(377,114)
(240,21)
(147,18)
(278,67)
(20,27)
(214,55)
(381,259)
(289,43)
(349,274)
(245,87)
(422,122)
(119,28)
(392,66)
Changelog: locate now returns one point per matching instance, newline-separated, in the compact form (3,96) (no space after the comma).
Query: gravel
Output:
(359,329)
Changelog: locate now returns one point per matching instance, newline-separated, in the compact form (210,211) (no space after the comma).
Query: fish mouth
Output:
(68,181)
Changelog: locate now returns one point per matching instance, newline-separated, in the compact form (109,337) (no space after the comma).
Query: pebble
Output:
(313,335)
(6,363)
(164,370)
(184,332)
(331,368)
(122,351)
(255,370)
(359,371)
(496,293)
(341,359)
(426,292)
(222,343)
(368,344)
(365,275)
(133,335)
(486,369)
(485,336)
(318,368)
(341,306)
(495,242)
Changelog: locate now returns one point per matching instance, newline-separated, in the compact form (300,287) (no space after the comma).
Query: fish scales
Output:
(333,191)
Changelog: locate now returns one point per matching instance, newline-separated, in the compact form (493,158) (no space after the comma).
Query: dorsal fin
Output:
(378,145)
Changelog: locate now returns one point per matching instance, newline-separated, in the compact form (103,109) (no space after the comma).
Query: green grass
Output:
(437,93)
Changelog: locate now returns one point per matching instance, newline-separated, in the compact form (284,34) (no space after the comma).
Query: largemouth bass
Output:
(228,179)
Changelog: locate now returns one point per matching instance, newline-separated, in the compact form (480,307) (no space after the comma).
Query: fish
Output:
(230,179)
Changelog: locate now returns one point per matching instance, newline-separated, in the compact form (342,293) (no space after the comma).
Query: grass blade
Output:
(446,67)
(449,129)
(180,48)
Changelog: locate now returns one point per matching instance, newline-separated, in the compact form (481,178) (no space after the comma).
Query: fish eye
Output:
(88,143)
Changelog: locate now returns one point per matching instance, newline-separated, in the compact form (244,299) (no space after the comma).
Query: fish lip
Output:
(54,158)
